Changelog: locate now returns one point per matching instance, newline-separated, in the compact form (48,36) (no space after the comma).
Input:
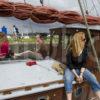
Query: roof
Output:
(78,26)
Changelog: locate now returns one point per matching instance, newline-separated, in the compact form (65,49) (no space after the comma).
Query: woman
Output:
(76,59)
(41,50)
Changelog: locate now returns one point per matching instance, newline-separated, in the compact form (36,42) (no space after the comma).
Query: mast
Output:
(42,2)
(89,34)
(25,1)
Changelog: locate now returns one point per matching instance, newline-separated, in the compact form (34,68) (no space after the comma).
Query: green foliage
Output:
(27,40)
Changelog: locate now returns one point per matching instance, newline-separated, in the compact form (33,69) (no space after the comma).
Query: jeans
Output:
(87,75)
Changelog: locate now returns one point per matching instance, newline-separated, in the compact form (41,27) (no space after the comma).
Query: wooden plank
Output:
(29,87)
(6,92)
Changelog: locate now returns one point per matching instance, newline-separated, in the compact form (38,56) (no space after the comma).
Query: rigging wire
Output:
(89,34)
(98,2)
(95,8)
(92,8)
(86,4)
(85,7)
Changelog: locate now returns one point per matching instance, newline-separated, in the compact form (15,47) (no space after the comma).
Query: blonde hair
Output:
(78,43)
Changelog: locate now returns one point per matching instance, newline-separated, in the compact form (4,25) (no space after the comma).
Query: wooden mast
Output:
(89,34)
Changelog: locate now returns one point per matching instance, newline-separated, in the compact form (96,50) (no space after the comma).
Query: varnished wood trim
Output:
(29,87)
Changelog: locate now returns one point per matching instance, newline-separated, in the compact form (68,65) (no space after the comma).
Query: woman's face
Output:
(83,39)
(39,40)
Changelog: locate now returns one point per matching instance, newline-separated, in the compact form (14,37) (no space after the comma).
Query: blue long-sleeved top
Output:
(77,62)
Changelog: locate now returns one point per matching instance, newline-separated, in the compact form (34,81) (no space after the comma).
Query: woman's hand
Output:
(81,75)
(79,79)
(76,75)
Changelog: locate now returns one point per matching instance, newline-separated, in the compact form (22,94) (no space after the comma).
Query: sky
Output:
(61,5)
(65,4)
(58,4)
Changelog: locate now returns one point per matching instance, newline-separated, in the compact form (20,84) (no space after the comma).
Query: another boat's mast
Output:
(89,34)
(24,1)
(42,2)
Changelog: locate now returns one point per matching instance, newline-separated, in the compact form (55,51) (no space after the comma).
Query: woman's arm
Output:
(85,57)
(77,76)
(23,53)
(82,71)
(81,74)
(71,66)
(69,61)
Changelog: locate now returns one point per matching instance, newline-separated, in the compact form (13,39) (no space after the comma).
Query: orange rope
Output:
(43,14)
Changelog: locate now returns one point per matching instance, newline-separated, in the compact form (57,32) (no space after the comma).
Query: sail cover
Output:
(43,14)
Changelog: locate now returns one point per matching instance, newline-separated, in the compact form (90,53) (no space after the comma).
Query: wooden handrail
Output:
(30,86)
